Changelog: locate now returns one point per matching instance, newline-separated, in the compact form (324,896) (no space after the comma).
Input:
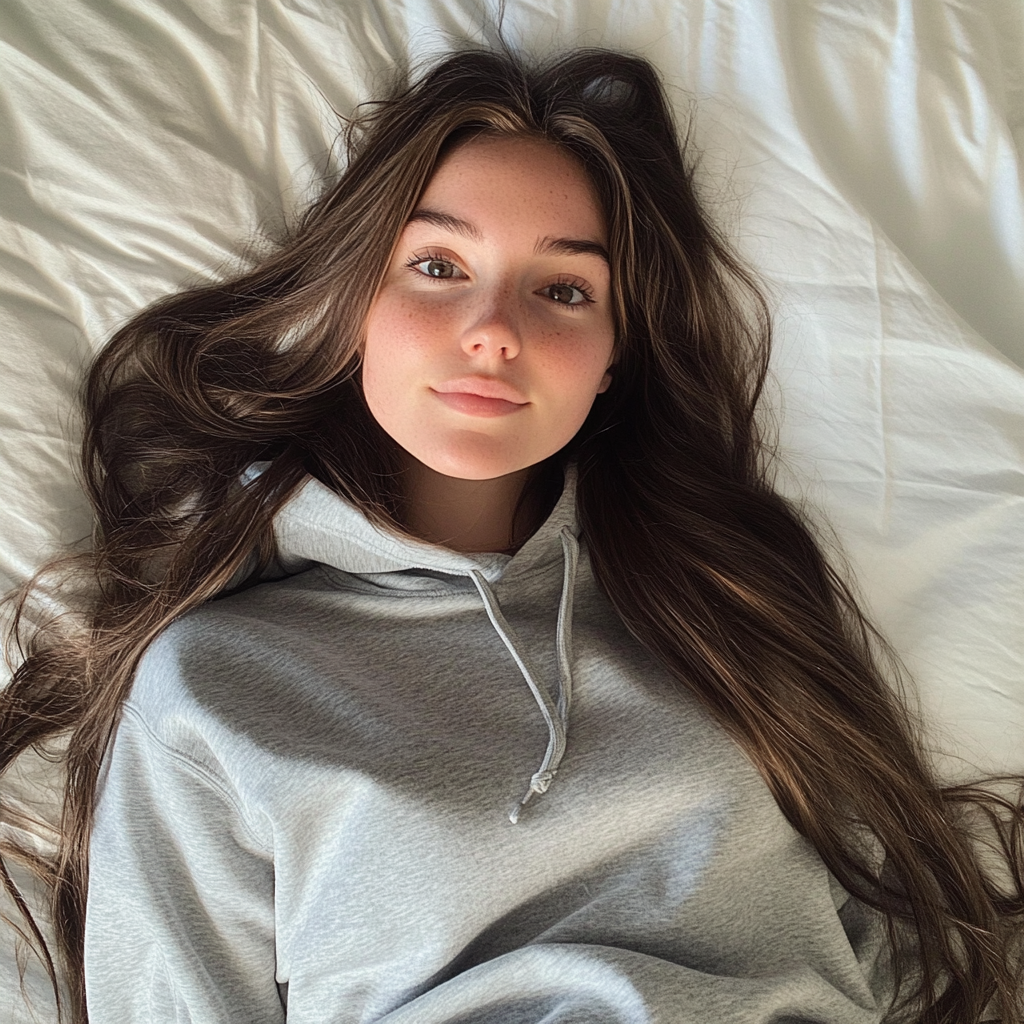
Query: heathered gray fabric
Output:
(307,807)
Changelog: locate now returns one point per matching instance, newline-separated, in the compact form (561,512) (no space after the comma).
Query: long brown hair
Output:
(709,568)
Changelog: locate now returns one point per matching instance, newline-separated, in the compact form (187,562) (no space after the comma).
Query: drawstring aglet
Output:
(538,784)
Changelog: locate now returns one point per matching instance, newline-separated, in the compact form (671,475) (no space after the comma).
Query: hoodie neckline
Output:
(318,525)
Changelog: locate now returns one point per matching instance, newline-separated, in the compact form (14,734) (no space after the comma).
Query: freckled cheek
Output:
(384,364)
(408,331)
(575,361)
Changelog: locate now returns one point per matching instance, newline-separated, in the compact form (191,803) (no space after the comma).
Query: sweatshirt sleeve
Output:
(180,912)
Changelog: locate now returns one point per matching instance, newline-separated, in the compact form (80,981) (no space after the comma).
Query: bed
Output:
(864,156)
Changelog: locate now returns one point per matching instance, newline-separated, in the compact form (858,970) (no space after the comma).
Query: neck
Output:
(466,515)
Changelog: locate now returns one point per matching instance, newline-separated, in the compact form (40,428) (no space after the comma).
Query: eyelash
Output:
(571,282)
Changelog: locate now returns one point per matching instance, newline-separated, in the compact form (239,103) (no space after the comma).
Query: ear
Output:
(606,380)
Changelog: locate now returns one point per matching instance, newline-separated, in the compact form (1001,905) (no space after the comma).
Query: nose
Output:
(495,328)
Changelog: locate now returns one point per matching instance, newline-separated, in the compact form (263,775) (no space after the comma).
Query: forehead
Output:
(516,180)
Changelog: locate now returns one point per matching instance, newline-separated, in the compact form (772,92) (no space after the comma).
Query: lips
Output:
(478,405)
(483,387)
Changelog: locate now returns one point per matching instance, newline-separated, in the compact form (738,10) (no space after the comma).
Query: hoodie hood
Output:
(317,525)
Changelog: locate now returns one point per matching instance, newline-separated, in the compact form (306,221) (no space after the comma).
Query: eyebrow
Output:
(573,247)
(448,222)
(561,246)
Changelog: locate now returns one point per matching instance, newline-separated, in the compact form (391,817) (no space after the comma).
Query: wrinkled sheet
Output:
(864,156)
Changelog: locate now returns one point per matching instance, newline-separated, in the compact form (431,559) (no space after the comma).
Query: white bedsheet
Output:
(864,154)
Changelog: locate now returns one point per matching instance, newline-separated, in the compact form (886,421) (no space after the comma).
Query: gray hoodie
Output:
(310,811)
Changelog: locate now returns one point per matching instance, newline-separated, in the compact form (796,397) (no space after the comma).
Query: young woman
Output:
(523,697)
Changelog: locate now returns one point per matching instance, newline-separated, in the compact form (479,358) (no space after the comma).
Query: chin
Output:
(475,465)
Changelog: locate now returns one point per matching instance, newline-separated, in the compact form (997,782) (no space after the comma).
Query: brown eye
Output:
(438,268)
(435,267)
(567,294)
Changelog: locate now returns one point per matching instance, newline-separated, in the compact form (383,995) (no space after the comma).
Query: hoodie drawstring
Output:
(556,714)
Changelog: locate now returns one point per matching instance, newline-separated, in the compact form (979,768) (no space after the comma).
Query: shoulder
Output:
(211,674)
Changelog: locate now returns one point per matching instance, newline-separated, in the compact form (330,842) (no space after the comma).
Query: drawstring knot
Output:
(539,783)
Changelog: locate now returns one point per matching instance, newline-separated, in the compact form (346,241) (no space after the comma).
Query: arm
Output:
(180,913)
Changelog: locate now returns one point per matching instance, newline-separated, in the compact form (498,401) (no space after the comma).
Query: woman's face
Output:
(499,285)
